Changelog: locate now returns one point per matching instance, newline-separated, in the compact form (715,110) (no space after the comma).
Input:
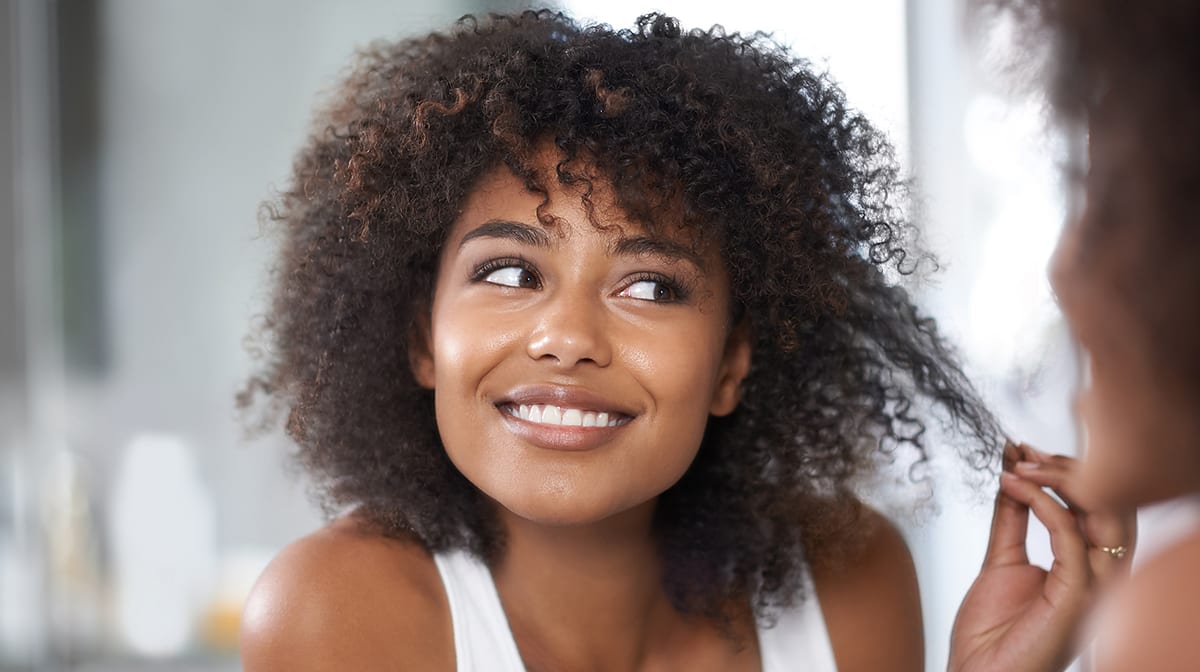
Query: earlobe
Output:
(735,366)
(420,352)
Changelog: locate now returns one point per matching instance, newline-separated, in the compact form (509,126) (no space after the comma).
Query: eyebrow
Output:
(636,246)
(663,248)
(504,228)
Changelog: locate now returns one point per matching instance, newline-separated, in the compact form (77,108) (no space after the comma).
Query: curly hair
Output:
(762,155)
(1130,71)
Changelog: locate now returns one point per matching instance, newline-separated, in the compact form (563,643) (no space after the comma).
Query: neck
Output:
(585,594)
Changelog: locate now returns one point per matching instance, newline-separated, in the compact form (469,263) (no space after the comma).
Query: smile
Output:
(559,416)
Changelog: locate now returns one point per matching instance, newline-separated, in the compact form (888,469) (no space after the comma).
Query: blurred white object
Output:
(1161,526)
(163,531)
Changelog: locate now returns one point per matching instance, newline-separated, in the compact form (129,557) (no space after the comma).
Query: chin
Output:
(1104,490)
(549,500)
(559,511)
(1117,477)
(1135,459)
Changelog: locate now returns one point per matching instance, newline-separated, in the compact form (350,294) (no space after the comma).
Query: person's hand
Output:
(1018,617)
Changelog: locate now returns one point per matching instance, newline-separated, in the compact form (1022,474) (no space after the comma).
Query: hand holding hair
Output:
(1018,617)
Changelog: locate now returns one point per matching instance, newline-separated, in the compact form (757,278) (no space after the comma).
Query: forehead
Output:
(502,205)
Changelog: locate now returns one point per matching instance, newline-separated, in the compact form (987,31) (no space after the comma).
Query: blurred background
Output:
(137,141)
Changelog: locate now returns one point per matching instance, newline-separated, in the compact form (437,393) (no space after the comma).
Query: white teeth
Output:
(563,417)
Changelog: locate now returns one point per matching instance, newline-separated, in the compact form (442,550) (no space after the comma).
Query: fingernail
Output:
(1027,466)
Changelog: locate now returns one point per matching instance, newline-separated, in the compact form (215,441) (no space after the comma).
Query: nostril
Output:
(568,349)
(570,331)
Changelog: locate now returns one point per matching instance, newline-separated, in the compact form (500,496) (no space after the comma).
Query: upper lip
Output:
(564,396)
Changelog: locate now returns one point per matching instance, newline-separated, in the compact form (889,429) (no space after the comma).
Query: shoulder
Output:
(1151,623)
(869,598)
(346,597)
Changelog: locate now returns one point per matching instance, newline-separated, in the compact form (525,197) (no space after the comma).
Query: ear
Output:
(420,350)
(735,366)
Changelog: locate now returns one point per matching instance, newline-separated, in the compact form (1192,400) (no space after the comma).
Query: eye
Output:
(653,289)
(508,273)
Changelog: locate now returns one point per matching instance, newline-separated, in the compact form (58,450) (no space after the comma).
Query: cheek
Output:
(680,375)
(464,345)
(679,364)
(465,350)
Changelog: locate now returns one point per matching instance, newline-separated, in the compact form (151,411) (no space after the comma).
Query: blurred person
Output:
(1127,276)
(585,336)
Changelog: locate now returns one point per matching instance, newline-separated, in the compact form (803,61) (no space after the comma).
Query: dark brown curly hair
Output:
(762,154)
(1128,73)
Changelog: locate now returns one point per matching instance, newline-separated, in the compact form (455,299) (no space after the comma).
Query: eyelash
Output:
(492,265)
(677,287)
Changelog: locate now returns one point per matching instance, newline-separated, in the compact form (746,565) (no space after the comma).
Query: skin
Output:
(579,576)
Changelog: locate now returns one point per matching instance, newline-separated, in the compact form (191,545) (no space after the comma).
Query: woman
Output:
(585,335)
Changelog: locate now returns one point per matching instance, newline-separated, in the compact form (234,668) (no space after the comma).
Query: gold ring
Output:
(1117,552)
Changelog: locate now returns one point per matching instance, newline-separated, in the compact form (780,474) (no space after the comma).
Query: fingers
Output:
(1010,519)
(1013,452)
(1071,565)
(1057,472)
(1010,523)
(1100,528)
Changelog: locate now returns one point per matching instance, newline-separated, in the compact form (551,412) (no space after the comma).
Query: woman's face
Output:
(574,366)
(1141,431)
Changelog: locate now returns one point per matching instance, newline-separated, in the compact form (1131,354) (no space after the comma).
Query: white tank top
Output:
(483,641)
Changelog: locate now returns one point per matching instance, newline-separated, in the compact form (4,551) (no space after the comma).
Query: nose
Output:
(570,331)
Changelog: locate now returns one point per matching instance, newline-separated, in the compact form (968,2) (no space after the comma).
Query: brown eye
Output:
(512,276)
(651,290)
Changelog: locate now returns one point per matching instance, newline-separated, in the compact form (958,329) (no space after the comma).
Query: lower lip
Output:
(559,437)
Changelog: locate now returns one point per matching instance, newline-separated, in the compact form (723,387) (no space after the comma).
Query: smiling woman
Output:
(537,329)
(586,335)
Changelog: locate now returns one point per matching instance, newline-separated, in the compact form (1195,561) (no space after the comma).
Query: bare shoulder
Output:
(346,597)
(1151,623)
(870,601)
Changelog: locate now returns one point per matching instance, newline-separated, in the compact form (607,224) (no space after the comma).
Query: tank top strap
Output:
(483,642)
(798,639)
